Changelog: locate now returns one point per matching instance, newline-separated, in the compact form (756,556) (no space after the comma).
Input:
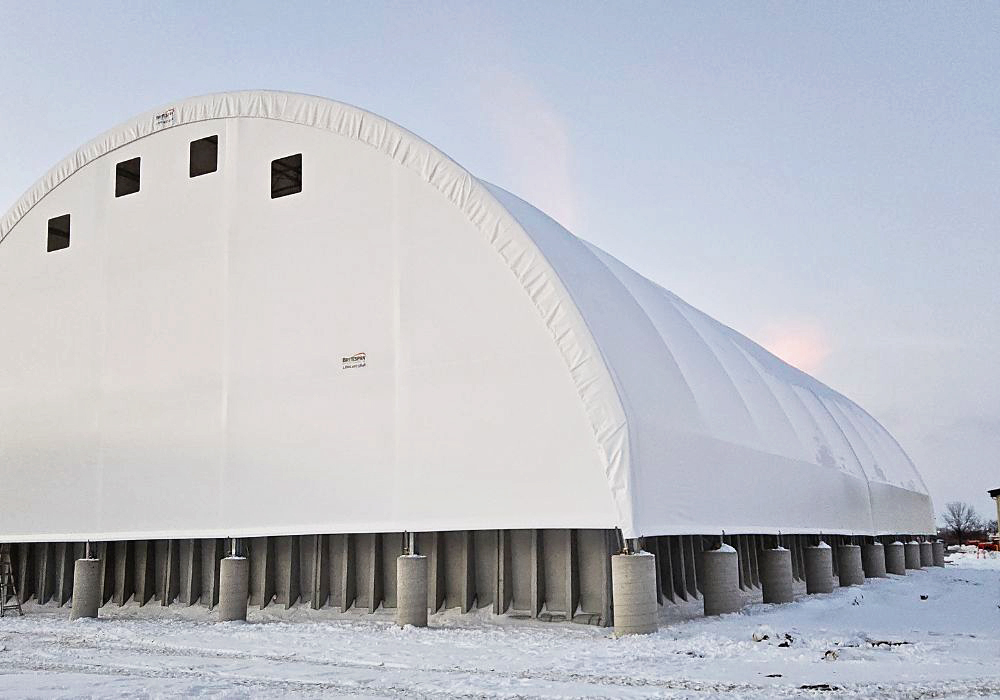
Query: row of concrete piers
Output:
(234,589)
(584,576)
(634,578)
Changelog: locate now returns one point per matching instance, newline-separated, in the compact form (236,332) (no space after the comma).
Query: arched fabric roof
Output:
(699,396)
(699,429)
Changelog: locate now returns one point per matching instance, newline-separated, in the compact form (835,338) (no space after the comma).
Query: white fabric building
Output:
(297,317)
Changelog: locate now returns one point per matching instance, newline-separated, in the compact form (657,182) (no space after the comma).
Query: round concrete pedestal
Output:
(633,593)
(849,565)
(938,553)
(721,578)
(819,568)
(911,551)
(873,560)
(86,588)
(234,585)
(926,554)
(776,575)
(411,590)
(895,559)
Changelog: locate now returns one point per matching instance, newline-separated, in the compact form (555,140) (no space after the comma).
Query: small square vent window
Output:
(127,177)
(204,156)
(286,176)
(59,233)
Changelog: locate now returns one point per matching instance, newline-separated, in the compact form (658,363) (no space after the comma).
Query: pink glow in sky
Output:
(802,344)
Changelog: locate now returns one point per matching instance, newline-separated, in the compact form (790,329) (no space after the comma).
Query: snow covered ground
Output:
(880,640)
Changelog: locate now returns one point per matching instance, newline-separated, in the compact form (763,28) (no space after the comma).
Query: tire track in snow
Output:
(604,685)
(598,685)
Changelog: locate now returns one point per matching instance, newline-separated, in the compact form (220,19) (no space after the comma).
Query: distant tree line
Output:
(962,523)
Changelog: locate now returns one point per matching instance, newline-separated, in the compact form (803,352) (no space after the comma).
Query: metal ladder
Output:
(8,589)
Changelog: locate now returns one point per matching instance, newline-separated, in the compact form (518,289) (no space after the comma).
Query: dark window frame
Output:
(203,156)
(58,233)
(286,176)
(128,177)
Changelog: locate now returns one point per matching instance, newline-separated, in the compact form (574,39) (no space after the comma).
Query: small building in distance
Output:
(995,495)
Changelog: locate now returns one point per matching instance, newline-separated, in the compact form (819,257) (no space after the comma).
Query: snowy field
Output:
(880,640)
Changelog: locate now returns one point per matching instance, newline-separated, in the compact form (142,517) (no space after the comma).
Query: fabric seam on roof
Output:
(598,253)
(868,483)
(723,367)
(815,418)
(833,408)
(645,315)
(754,365)
(865,424)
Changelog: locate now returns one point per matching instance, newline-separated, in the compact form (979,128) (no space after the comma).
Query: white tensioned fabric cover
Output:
(698,428)
(721,432)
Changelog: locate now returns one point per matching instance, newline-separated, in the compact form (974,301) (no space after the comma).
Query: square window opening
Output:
(204,156)
(286,176)
(127,177)
(58,233)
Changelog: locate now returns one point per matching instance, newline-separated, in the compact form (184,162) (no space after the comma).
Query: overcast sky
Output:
(823,177)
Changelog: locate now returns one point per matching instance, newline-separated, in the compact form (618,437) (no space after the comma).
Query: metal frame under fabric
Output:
(575,576)
(550,575)
(738,427)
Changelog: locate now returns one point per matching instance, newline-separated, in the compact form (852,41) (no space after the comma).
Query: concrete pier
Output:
(633,593)
(411,590)
(895,559)
(850,569)
(873,560)
(234,587)
(819,569)
(721,569)
(776,575)
(86,588)
(938,553)
(911,552)
(926,554)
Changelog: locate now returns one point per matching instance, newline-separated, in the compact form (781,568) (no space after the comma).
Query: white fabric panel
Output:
(750,425)
(590,376)
(655,395)
(716,398)
(212,396)
(188,369)
(898,510)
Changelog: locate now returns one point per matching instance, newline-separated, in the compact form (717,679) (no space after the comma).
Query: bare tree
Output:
(961,520)
(991,526)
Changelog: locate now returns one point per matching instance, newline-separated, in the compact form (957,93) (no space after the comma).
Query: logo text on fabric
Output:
(165,119)
(358,359)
